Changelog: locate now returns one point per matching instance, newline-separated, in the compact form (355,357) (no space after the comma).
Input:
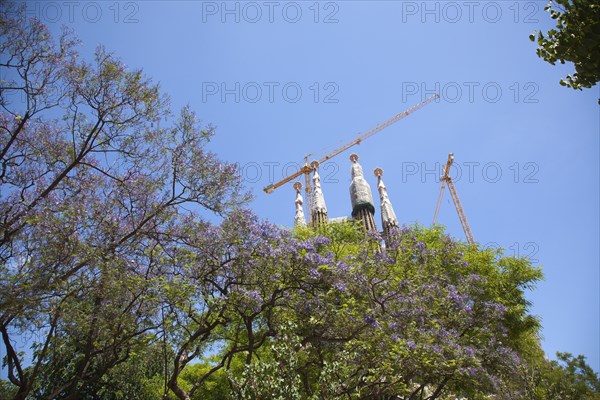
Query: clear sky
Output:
(283,79)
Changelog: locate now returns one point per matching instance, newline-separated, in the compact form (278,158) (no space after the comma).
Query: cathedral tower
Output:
(361,197)
(388,216)
(299,219)
(319,209)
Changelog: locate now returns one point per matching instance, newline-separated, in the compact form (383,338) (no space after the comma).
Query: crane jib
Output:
(307,169)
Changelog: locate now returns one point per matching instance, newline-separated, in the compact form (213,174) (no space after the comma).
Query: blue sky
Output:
(284,79)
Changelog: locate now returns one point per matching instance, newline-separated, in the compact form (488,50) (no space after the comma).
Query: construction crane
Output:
(307,169)
(447,180)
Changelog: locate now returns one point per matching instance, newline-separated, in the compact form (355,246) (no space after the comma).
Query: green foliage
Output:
(216,387)
(141,377)
(7,390)
(568,378)
(274,376)
(575,38)
(430,316)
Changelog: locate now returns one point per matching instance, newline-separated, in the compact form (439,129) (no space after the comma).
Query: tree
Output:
(567,378)
(97,179)
(576,38)
(226,284)
(429,318)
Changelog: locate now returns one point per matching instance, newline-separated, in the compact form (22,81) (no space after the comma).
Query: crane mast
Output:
(447,180)
(307,169)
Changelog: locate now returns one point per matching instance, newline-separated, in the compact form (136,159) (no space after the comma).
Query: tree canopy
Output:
(576,38)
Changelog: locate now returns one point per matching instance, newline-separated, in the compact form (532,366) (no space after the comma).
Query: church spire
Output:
(319,209)
(361,197)
(299,219)
(388,216)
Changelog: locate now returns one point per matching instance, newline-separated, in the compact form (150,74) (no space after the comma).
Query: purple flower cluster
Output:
(497,308)
(458,299)
(370,321)
(340,286)
(469,351)
(474,279)
(320,241)
(314,273)
(342,267)
(306,245)
(317,259)
(254,295)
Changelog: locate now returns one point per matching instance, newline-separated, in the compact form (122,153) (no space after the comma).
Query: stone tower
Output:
(388,216)
(299,219)
(361,197)
(319,209)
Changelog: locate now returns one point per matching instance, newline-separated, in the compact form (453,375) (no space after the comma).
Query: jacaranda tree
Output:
(426,317)
(97,177)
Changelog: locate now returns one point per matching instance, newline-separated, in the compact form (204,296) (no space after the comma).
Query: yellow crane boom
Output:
(446,179)
(306,169)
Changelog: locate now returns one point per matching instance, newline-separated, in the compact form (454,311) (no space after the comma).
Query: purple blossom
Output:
(392,243)
(306,245)
(321,241)
(318,259)
(469,351)
(342,266)
(495,381)
(340,286)
(457,298)
(394,325)
(383,258)
(475,278)
(497,308)
(254,295)
(313,273)
(375,235)
(509,355)
(370,321)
